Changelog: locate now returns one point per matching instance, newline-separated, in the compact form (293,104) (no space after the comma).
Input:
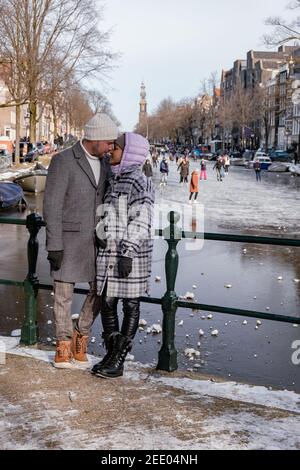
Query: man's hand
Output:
(55,258)
(124,267)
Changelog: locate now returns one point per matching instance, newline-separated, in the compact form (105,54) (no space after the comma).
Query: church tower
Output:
(143,106)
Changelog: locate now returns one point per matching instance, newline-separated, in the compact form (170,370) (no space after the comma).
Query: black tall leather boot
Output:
(131,310)
(114,365)
(110,323)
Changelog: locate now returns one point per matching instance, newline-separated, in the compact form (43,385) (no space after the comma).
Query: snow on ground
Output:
(146,410)
(280,399)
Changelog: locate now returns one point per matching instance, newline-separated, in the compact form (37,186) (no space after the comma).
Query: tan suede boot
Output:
(64,357)
(79,348)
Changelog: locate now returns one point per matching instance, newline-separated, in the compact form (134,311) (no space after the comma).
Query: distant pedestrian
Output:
(219,167)
(194,187)
(203,173)
(184,169)
(164,171)
(226,159)
(147,168)
(155,160)
(257,169)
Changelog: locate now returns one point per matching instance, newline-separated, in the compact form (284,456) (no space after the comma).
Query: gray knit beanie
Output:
(100,127)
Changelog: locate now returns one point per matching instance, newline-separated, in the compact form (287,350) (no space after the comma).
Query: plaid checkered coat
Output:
(126,224)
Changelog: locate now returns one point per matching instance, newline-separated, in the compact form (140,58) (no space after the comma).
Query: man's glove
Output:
(55,258)
(124,267)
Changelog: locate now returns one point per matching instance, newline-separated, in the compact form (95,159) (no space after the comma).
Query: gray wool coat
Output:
(71,200)
(127,225)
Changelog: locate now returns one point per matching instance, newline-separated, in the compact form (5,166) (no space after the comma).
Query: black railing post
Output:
(29,332)
(167,357)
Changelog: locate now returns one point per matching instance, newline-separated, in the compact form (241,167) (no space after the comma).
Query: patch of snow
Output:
(258,395)
(15,333)
(155,329)
(189,296)
(130,357)
(215,333)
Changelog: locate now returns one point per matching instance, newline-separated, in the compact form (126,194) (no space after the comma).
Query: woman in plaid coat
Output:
(125,249)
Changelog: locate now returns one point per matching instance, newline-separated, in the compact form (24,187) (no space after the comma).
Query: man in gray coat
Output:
(76,185)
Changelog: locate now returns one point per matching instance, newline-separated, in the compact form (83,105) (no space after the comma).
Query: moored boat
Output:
(11,195)
(35,181)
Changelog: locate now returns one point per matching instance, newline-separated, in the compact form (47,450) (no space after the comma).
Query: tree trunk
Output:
(17,147)
(267,136)
(33,121)
(297,158)
(55,131)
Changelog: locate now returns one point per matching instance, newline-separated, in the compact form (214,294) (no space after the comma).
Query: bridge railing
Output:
(167,358)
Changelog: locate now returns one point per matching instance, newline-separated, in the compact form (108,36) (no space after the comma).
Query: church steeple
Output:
(143,105)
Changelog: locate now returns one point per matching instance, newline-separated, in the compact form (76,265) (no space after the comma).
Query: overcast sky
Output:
(174,44)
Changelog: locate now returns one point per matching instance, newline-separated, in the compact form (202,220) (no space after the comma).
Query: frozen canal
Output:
(241,352)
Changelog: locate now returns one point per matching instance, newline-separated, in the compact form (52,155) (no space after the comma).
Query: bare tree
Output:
(64,31)
(284,31)
(224,115)
(101,104)
(242,111)
(11,67)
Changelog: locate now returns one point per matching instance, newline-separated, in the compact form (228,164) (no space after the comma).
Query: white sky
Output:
(174,44)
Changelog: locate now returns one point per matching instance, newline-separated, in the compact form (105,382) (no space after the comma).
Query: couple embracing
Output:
(98,209)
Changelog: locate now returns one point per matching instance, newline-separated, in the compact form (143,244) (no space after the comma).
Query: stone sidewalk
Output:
(45,408)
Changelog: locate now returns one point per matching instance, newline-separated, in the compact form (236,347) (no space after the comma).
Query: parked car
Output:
(248,155)
(261,153)
(264,161)
(205,155)
(236,159)
(32,154)
(281,156)
(40,147)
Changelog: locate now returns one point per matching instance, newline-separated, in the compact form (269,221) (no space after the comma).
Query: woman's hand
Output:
(124,267)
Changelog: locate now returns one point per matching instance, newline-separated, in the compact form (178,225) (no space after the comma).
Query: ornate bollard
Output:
(29,332)
(167,357)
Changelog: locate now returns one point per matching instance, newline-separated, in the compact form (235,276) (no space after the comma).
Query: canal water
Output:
(241,351)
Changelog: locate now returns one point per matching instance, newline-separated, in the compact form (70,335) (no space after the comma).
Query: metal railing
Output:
(167,357)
